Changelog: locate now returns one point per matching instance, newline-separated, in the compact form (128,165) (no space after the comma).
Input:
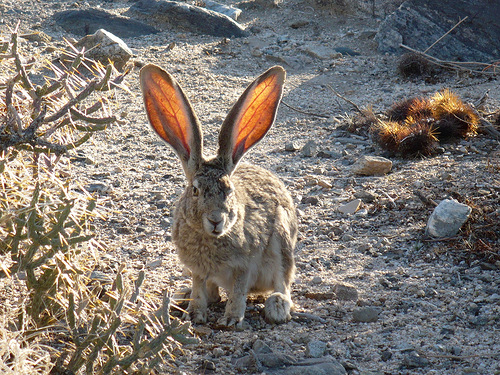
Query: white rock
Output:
(351,207)
(447,219)
(372,166)
(104,46)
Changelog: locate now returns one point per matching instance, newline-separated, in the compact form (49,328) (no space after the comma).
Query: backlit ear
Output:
(251,117)
(171,115)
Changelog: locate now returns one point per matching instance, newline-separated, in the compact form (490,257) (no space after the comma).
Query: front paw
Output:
(235,322)
(277,308)
(198,316)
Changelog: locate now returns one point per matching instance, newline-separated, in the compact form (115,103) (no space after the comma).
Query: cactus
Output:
(46,227)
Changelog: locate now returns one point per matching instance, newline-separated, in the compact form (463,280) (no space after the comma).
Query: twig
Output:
(347,100)
(458,65)
(303,112)
(449,31)
(459,357)
(424,199)
(307,316)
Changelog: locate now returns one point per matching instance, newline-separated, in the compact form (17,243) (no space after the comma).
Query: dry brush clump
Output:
(48,107)
(416,126)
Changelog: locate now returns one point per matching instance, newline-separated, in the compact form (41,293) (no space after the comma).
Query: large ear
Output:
(171,116)
(251,117)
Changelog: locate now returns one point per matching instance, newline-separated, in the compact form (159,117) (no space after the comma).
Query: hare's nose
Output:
(214,222)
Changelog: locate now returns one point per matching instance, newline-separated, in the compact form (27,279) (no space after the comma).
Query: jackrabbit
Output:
(235,225)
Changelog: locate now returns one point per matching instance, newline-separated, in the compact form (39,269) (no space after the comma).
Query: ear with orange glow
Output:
(251,117)
(171,115)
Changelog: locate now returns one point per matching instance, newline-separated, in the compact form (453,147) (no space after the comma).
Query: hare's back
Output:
(261,187)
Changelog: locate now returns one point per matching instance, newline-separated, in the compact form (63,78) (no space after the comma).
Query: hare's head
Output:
(211,194)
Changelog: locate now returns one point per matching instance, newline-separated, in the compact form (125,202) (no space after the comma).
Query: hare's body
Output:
(235,225)
(262,250)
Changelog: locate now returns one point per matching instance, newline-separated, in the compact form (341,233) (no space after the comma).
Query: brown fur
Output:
(235,225)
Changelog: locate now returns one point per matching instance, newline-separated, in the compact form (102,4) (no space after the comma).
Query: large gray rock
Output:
(447,218)
(419,23)
(167,14)
(88,21)
(104,46)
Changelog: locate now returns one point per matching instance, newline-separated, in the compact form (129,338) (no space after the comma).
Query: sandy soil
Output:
(435,298)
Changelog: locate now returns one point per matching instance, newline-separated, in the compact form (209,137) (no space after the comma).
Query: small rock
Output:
(413,360)
(317,280)
(447,218)
(366,314)
(345,292)
(218,352)
(274,360)
(261,347)
(325,184)
(351,207)
(104,46)
(310,149)
(372,166)
(154,264)
(96,187)
(207,366)
(291,146)
(310,200)
(314,366)
(229,11)
(316,349)
(386,355)
(365,196)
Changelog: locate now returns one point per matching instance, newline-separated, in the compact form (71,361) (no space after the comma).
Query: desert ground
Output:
(436,304)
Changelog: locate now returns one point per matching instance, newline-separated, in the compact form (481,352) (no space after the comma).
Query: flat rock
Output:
(167,14)
(372,166)
(315,348)
(104,46)
(88,21)
(312,366)
(351,207)
(447,218)
(419,23)
(366,314)
(345,292)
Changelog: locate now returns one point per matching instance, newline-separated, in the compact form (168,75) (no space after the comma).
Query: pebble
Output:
(366,314)
(351,207)
(316,280)
(345,292)
(96,187)
(291,146)
(315,349)
(386,355)
(365,196)
(314,366)
(413,360)
(310,149)
(372,166)
(447,218)
(310,200)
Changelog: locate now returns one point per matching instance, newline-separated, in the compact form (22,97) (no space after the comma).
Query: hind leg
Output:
(278,305)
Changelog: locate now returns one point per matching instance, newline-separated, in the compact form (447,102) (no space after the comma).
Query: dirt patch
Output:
(437,299)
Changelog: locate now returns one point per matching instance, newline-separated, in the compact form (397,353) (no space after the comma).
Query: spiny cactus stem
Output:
(82,95)
(93,120)
(29,133)
(137,286)
(20,67)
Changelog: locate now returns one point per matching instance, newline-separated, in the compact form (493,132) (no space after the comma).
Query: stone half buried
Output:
(180,15)
(104,46)
(447,219)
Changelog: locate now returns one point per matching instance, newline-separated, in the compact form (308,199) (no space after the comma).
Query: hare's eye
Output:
(196,191)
